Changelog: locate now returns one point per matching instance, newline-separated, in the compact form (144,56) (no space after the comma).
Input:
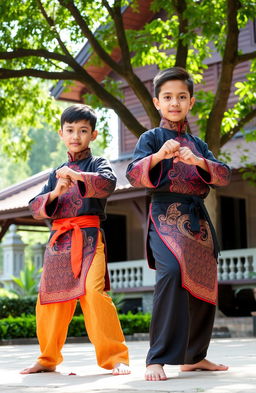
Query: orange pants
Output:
(100,316)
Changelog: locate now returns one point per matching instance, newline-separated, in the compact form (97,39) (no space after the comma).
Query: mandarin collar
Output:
(81,155)
(179,126)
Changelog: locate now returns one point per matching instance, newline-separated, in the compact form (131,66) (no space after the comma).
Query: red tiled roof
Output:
(18,195)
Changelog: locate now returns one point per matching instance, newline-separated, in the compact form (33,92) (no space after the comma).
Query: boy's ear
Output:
(94,135)
(60,132)
(192,101)
(156,103)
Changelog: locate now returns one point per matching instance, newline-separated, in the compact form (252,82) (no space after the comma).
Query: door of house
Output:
(115,232)
(233,223)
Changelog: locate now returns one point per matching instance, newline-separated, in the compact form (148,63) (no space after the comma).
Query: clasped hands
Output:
(66,178)
(173,149)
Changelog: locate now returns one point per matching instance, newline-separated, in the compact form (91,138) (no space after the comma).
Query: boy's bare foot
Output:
(204,365)
(155,372)
(37,368)
(121,369)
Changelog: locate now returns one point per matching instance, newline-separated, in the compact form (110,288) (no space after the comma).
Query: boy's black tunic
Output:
(87,198)
(181,245)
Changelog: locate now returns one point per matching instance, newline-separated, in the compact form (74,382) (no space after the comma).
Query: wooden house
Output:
(126,225)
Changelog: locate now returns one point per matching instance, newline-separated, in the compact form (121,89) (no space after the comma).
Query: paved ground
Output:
(239,354)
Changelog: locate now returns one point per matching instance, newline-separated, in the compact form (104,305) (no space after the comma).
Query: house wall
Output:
(127,140)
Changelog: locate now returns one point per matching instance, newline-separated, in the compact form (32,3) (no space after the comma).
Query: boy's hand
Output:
(67,173)
(189,158)
(61,187)
(169,149)
(186,156)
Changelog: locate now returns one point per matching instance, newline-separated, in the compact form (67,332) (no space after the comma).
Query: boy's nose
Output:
(175,102)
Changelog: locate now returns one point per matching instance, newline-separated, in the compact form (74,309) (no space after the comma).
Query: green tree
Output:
(46,151)
(40,39)
(10,173)
(45,142)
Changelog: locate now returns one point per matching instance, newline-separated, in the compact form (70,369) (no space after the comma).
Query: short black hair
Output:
(173,73)
(79,112)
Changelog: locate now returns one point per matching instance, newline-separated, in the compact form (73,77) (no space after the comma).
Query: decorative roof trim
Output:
(27,183)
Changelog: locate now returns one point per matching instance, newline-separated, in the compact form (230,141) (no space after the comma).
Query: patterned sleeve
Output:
(219,173)
(99,184)
(138,172)
(38,205)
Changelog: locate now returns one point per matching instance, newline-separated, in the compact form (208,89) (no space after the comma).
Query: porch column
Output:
(13,254)
(38,250)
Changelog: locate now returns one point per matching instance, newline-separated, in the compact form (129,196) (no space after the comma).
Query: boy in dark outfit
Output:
(177,169)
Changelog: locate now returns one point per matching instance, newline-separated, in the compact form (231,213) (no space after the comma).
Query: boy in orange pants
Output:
(75,263)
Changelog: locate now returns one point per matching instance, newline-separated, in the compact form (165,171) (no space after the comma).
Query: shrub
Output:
(131,323)
(5,293)
(25,326)
(135,323)
(16,307)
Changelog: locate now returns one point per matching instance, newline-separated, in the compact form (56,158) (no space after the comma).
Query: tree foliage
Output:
(40,40)
(46,151)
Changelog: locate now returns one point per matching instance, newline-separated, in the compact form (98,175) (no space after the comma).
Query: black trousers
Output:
(181,324)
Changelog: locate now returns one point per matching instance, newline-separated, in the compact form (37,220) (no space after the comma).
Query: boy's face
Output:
(77,135)
(174,100)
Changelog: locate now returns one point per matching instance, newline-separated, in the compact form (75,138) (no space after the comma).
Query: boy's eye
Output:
(84,131)
(183,97)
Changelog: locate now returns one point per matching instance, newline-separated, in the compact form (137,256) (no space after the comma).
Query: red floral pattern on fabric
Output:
(97,186)
(58,283)
(37,207)
(194,252)
(184,178)
(69,203)
(81,155)
(171,216)
(174,125)
(138,176)
(220,175)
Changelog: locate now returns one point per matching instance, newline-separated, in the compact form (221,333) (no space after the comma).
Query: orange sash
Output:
(63,225)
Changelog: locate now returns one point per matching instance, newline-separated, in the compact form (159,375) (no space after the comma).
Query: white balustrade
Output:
(237,264)
(233,265)
(131,274)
